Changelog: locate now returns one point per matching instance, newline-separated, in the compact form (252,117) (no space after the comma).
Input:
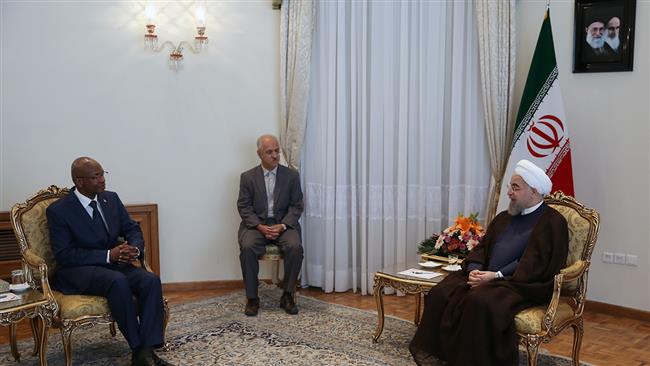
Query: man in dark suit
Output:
(91,260)
(270,205)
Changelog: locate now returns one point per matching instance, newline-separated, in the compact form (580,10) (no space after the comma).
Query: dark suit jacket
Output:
(77,247)
(252,202)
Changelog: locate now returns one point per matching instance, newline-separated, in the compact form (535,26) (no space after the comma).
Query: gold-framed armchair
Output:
(541,323)
(29,222)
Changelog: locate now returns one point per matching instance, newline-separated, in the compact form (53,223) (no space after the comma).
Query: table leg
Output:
(42,344)
(35,329)
(418,304)
(12,341)
(378,291)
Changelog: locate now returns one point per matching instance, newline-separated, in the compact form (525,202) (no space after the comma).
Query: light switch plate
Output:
(619,258)
(632,260)
(608,257)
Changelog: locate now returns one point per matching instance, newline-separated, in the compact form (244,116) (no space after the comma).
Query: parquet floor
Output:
(609,340)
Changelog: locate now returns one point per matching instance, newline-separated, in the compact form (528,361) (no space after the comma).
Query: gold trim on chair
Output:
(31,231)
(541,323)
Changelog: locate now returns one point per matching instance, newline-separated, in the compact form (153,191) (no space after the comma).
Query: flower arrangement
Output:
(463,236)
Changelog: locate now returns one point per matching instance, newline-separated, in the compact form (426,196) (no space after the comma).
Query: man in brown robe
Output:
(469,317)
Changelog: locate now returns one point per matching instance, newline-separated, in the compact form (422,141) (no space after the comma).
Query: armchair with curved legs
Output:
(74,311)
(541,323)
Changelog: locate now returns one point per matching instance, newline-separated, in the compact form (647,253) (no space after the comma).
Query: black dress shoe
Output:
(160,362)
(142,357)
(252,306)
(287,303)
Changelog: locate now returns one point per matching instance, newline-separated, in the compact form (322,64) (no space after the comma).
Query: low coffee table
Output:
(407,284)
(31,304)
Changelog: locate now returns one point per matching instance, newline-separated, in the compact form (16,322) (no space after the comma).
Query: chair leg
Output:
(578,331)
(113,331)
(35,334)
(532,348)
(42,357)
(275,272)
(66,334)
(166,346)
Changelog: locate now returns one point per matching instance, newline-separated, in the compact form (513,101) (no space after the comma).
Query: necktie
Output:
(98,223)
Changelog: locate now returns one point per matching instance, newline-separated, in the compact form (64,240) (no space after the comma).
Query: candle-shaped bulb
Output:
(150,13)
(200,16)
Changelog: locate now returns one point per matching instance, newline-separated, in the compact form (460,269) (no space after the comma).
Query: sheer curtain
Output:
(296,28)
(496,39)
(395,141)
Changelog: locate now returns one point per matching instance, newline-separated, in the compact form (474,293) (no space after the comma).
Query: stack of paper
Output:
(8,296)
(419,274)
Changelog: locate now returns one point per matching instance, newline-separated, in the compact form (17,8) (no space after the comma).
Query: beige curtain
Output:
(496,39)
(296,28)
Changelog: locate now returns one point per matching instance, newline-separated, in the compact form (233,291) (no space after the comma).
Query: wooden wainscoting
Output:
(146,215)
(9,250)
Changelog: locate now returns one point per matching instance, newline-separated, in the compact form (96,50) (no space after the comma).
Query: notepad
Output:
(8,296)
(420,274)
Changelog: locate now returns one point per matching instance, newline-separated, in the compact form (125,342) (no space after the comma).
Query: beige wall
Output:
(609,119)
(80,83)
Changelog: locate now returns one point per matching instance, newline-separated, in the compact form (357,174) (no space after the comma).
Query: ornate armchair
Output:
(541,323)
(72,311)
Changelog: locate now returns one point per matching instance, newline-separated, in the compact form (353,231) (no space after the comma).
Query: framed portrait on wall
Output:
(604,35)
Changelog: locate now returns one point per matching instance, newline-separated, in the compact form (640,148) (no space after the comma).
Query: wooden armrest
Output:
(566,274)
(573,271)
(38,271)
(32,259)
(143,263)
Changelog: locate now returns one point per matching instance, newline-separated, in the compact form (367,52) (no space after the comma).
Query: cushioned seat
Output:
(272,250)
(541,323)
(73,311)
(273,253)
(528,321)
(75,306)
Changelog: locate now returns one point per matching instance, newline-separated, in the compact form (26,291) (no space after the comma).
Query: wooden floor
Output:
(609,340)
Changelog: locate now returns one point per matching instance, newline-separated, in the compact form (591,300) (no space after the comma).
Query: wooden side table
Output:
(34,305)
(406,284)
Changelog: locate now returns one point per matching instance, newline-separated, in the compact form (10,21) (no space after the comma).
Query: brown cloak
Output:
(475,326)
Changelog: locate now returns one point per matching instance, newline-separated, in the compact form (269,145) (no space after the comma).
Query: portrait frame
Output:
(592,53)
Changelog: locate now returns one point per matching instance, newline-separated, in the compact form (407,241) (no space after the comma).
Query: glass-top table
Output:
(32,304)
(408,284)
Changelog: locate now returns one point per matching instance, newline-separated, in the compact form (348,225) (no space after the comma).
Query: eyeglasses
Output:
(96,176)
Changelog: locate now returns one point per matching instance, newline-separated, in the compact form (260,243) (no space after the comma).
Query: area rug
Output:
(215,331)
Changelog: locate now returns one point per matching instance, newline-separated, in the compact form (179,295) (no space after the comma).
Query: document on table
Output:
(420,274)
(8,296)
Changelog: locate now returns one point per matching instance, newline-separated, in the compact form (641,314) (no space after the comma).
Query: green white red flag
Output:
(541,132)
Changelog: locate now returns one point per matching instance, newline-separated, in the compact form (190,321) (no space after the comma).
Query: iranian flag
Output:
(541,131)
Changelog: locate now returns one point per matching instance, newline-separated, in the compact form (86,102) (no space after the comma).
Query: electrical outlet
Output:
(619,258)
(632,260)
(608,257)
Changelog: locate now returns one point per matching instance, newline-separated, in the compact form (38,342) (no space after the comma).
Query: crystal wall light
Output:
(176,54)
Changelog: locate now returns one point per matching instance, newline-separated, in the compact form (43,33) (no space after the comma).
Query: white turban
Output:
(534,176)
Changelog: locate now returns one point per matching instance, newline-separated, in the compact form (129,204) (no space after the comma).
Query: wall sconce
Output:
(176,54)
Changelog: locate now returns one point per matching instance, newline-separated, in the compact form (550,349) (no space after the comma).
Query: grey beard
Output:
(595,43)
(614,43)
(514,209)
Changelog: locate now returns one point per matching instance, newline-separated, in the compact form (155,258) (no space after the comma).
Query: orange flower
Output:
(463,223)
